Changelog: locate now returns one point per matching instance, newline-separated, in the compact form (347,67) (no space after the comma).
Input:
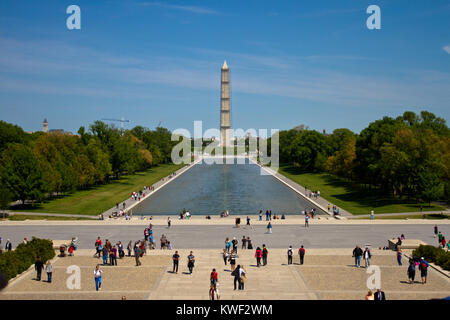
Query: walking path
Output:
(365,216)
(227,221)
(12,213)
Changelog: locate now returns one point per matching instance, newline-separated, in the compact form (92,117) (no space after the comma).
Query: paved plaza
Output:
(326,274)
(206,234)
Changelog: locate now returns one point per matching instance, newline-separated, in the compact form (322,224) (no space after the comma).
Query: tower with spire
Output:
(225,106)
(45,126)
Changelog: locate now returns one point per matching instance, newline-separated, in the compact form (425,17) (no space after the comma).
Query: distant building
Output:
(45,126)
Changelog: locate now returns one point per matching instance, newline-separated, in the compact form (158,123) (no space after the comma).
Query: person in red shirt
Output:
(98,247)
(258,256)
(301,253)
(214,277)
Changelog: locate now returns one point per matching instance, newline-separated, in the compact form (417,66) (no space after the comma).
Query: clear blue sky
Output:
(292,62)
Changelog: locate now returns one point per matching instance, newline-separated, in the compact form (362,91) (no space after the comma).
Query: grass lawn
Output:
(22,217)
(353,199)
(430,216)
(103,197)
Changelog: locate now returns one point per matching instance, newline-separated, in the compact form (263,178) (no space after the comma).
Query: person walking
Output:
(242,277)
(8,245)
(168,222)
(260,215)
(120,250)
(191,261)
(105,255)
(129,248)
(367,255)
(301,253)
(379,295)
(249,244)
(38,266)
(306,220)
(176,260)
(225,256)
(98,247)
(423,267)
(98,278)
(440,236)
(399,257)
(258,256)
(411,271)
(137,254)
(214,278)
(357,253)
(49,270)
(289,254)
(237,277)
(113,256)
(213,293)
(435,230)
(232,260)
(235,245)
(269,227)
(265,252)
(244,242)
(248,221)
(227,244)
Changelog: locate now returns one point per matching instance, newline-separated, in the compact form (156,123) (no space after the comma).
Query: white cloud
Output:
(42,68)
(447,49)
(193,9)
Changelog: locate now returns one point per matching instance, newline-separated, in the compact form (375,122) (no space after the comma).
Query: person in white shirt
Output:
(290,253)
(49,270)
(98,278)
(242,277)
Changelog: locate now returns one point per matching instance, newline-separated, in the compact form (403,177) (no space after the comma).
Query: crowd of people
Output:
(442,242)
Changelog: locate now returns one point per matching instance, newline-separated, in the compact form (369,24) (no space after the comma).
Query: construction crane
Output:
(119,120)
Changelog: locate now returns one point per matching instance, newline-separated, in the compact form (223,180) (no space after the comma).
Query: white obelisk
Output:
(225,110)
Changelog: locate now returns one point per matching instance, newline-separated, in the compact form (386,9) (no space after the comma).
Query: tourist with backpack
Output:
(258,256)
(289,254)
(301,253)
(423,267)
(98,247)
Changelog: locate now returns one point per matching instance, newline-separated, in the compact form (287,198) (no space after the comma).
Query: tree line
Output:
(408,156)
(35,166)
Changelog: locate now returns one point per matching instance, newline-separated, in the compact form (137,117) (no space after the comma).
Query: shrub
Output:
(15,262)
(433,254)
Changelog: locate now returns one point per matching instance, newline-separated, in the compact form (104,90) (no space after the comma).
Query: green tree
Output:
(20,173)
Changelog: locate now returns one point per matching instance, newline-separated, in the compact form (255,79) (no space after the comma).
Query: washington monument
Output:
(225,110)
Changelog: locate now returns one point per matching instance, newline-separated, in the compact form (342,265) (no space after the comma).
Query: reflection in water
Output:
(211,189)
